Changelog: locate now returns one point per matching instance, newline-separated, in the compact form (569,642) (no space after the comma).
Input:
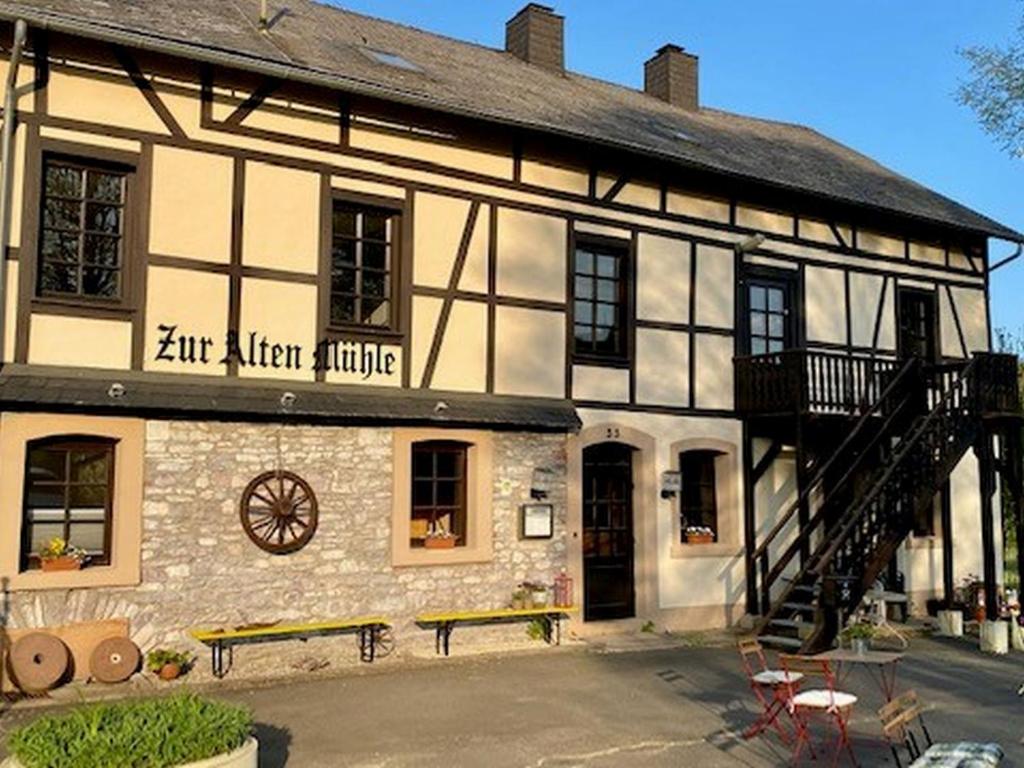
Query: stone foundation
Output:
(199,569)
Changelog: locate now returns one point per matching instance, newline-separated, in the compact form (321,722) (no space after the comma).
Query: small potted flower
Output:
(859,635)
(168,664)
(538,594)
(698,534)
(438,537)
(59,555)
(521,599)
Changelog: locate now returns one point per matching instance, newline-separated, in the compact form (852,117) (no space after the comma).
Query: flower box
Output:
(63,563)
(700,538)
(439,542)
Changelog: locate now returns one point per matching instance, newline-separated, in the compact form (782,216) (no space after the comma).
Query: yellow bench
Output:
(444,622)
(372,632)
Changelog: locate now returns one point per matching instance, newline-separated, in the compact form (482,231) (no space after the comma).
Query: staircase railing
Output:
(889,405)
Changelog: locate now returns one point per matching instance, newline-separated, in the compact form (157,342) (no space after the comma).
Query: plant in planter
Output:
(521,599)
(859,635)
(168,664)
(58,555)
(538,593)
(438,537)
(179,731)
(698,534)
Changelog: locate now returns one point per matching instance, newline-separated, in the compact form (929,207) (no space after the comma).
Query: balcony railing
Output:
(816,381)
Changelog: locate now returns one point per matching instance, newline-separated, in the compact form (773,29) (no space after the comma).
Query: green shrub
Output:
(153,733)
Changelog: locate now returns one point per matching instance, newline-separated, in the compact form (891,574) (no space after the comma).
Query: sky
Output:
(877,75)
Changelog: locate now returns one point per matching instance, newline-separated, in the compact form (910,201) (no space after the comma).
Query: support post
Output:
(804,510)
(946,522)
(986,487)
(750,521)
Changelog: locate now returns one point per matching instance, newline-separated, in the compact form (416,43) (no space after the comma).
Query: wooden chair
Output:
(771,688)
(905,714)
(824,702)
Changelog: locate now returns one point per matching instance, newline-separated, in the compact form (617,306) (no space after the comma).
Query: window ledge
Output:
(716,549)
(86,578)
(413,558)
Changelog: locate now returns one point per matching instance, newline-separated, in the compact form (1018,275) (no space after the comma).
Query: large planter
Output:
(246,756)
(438,542)
(700,538)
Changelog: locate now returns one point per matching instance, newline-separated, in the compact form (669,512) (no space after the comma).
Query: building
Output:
(302,307)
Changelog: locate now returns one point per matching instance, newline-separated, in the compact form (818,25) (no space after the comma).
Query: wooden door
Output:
(608,542)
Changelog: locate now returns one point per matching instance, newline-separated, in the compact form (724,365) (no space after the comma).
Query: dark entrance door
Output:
(918,319)
(608,588)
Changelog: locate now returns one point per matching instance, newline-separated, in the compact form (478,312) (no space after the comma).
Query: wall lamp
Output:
(671,484)
(540,484)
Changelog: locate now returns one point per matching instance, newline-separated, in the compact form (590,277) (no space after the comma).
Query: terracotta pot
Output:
(61,563)
(439,543)
(170,672)
(700,538)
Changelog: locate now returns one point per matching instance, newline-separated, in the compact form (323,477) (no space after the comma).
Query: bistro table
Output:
(880,665)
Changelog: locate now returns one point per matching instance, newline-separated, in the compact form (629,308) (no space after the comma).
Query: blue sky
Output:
(877,75)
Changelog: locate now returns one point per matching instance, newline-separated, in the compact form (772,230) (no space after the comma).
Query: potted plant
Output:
(168,664)
(698,534)
(859,635)
(438,537)
(183,730)
(538,593)
(521,599)
(59,555)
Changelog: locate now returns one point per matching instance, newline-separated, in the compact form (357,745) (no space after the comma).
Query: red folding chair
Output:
(835,707)
(771,688)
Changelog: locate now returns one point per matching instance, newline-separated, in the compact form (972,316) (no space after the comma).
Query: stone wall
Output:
(200,569)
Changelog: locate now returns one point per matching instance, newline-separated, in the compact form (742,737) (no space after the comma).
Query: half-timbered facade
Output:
(432,284)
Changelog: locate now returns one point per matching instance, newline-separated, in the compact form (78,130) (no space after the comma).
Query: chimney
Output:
(536,35)
(672,76)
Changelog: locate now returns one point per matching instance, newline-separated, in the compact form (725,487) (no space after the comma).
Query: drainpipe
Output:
(7,139)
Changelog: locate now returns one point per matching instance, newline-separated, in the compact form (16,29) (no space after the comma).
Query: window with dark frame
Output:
(362,265)
(438,491)
(68,494)
(82,230)
(768,317)
(600,280)
(698,497)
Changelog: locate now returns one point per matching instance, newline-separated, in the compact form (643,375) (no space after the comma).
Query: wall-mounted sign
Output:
(538,521)
(361,360)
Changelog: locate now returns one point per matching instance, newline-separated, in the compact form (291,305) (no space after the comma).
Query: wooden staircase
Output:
(905,441)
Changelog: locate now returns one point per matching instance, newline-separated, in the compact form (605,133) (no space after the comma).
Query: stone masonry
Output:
(200,569)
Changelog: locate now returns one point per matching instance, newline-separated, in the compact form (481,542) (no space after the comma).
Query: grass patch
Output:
(152,733)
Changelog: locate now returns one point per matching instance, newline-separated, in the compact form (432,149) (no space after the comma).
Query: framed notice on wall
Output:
(538,521)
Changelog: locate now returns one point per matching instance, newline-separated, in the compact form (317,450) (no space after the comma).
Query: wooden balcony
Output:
(823,382)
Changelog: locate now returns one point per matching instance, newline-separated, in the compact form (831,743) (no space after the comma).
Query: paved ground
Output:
(581,707)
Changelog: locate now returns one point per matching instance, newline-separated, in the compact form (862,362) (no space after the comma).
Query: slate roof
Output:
(27,387)
(314,42)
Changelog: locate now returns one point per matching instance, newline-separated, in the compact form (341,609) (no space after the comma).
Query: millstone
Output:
(114,660)
(38,661)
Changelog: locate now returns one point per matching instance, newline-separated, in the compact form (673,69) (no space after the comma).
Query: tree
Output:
(995,90)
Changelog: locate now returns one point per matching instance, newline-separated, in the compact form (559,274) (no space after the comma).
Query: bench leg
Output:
(217,658)
(443,636)
(368,643)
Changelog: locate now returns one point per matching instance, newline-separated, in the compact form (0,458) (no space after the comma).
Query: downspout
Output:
(7,139)
(1003,262)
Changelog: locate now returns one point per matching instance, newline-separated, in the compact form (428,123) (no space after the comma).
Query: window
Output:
(391,59)
(599,301)
(68,495)
(438,492)
(768,315)
(698,497)
(82,230)
(362,266)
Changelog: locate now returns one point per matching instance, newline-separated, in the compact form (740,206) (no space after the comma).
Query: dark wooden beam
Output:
(766,461)
(615,188)
(986,488)
(946,513)
(838,235)
(131,67)
(750,522)
(253,102)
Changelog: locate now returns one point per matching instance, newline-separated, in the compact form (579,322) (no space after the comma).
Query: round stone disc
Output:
(38,661)
(114,660)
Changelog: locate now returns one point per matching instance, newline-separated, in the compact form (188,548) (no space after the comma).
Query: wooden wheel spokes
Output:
(279,512)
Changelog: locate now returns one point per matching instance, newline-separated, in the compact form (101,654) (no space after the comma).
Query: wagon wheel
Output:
(38,661)
(114,660)
(279,512)
(385,643)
